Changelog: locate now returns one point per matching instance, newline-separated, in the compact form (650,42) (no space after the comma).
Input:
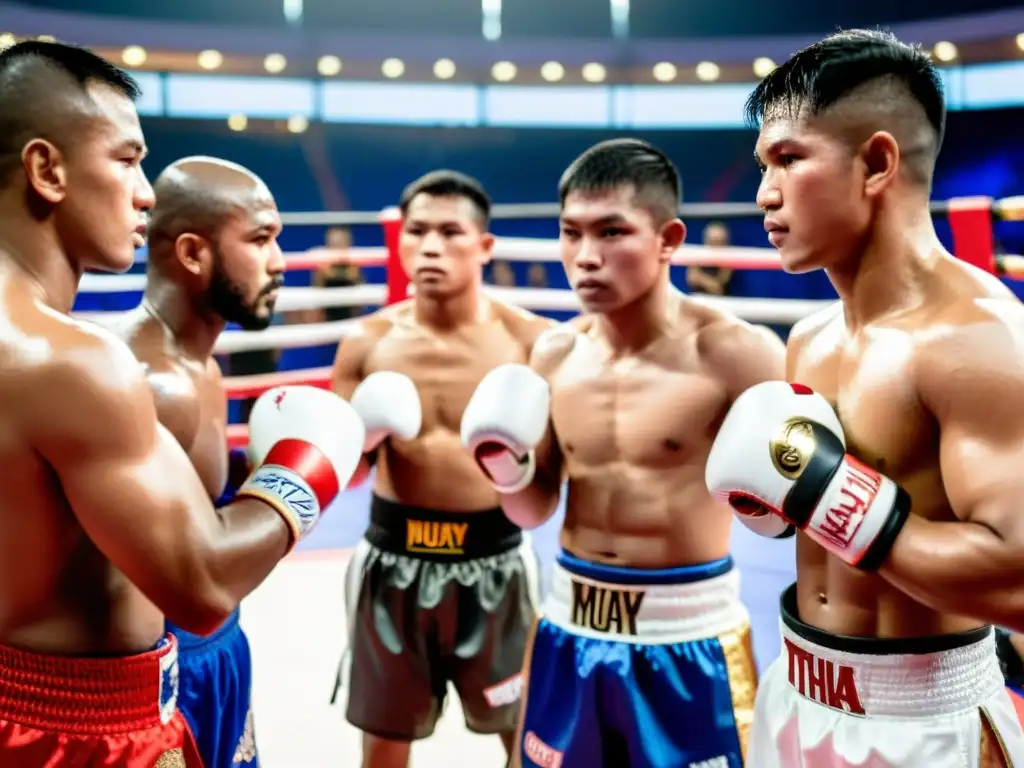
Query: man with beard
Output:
(213,259)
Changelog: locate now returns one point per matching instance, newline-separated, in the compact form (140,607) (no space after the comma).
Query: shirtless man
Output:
(913,540)
(213,259)
(105,527)
(443,588)
(643,655)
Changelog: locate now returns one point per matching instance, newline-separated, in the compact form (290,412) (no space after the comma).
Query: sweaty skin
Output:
(434,470)
(930,396)
(189,394)
(104,511)
(632,435)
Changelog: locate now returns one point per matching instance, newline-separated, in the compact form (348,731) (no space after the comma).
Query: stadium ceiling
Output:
(567,19)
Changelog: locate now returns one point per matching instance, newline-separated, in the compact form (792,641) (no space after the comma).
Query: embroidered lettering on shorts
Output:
(606,609)
(541,753)
(823,680)
(430,537)
(508,691)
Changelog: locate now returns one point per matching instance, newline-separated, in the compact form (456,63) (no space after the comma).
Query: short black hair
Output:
(42,85)
(626,163)
(873,62)
(446,183)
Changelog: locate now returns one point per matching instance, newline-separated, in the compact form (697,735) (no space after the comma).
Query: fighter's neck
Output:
(194,333)
(887,274)
(448,313)
(36,253)
(636,326)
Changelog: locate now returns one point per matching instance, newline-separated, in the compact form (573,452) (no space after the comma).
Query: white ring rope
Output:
(774,311)
(505,249)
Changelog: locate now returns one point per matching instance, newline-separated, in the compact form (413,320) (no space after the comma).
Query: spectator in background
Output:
(711,280)
(502,274)
(537,276)
(338,276)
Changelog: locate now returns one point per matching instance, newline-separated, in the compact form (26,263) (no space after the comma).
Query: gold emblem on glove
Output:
(792,447)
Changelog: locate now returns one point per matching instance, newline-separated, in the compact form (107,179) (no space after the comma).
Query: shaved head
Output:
(855,83)
(197,194)
(214,233)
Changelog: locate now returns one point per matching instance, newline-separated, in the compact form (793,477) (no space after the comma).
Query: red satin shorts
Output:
(93,712)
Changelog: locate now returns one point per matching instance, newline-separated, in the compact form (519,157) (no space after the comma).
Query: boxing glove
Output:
(782,448)
(388,404)
(305,444)
(503,423)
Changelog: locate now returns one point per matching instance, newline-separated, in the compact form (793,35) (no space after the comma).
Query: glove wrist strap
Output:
(859,515)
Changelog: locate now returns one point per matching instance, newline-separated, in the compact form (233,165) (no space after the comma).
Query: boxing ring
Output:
(295,619)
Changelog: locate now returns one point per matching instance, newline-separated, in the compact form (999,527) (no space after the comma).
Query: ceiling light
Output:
(275,63)
(552,71)
(664,71)
(392,68)
(134,56)
(945,51)
(593,72)
(209,59)
(444,69)
(707,71)
(763,66)
(328,66)
(503,71)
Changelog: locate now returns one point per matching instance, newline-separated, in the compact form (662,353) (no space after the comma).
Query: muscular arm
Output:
(535,504)
(973,383)
(137,497)
(347,373)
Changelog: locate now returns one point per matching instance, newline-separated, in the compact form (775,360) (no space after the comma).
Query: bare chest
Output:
(209,452)
(445,370)
(635,411)
(869,382)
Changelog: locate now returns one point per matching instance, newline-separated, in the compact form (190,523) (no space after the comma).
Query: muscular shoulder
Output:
(736,352)
(91,388)
(977,346)
(555,344)
(524,326)
(807,328)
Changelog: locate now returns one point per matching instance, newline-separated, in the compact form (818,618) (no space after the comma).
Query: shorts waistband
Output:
(188,642)
(904,677)
(90,695)
(429,534)
(654,606)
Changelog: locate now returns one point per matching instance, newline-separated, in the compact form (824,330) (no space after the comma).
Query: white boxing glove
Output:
(503,423)
(305,444)
(781,451)
(388,404)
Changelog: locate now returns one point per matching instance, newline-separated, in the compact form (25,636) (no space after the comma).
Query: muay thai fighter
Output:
(643,655)
(106,527)
(443,588)
(213,258)
(896,449)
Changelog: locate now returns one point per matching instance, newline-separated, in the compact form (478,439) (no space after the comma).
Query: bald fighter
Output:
(643,655)
(213,259)
(105,526)
(443,588)
(897,448)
